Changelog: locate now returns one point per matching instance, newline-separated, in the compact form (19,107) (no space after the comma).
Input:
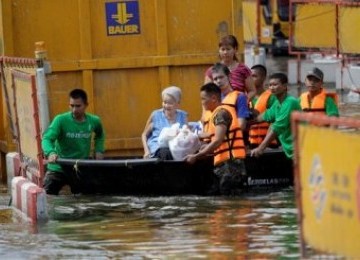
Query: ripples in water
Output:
(254,226)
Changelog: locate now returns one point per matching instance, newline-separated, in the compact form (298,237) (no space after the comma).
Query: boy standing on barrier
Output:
(69,136)
(226,143)
(279,115)
(316,99)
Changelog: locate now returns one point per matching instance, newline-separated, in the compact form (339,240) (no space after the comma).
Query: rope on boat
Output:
(76,169)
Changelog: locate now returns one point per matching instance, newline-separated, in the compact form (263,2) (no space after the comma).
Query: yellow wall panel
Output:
(315,26)
(349,29)
(249,21)
(55,21)
(59,86)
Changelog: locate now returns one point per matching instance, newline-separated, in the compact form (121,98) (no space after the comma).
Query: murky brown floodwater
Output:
(250,227)
(253,226)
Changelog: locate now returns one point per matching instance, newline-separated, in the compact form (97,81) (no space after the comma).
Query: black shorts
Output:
(54,181)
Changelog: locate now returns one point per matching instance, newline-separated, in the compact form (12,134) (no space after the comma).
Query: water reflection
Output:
(253,226)
(256,226)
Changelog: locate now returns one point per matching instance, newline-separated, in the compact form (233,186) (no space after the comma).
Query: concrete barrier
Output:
(330,68)
(344,77)
(350,77)
(29,199)
(12,167)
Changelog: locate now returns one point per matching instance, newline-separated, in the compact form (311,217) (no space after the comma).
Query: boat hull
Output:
(155,177)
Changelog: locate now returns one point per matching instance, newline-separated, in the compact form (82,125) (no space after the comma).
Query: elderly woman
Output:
(166,116)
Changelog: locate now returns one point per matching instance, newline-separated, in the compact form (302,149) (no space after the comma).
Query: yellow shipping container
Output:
(122,52)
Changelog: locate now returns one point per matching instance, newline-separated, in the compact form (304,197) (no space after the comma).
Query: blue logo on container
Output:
(122,18)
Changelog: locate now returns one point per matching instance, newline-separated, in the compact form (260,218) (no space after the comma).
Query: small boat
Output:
(136,176)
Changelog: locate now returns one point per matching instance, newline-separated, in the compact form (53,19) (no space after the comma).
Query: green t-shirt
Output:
(72,139)
(331,108)
(279,115)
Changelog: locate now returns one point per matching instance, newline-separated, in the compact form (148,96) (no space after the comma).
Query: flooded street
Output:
(253,226)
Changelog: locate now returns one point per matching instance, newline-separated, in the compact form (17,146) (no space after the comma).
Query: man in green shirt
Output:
(69,136)
(279,115)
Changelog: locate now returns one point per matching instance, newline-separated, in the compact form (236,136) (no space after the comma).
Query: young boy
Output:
(263,100)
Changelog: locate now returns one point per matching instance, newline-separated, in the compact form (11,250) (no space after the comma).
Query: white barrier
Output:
(12,167)
(344,77)
(29,199)
(328,66)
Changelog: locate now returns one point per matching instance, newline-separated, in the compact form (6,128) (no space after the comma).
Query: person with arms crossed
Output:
(70,136)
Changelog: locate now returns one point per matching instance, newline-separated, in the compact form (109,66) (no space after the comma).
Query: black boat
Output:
(135,176)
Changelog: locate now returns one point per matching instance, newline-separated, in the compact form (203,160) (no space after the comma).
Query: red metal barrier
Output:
(28,128)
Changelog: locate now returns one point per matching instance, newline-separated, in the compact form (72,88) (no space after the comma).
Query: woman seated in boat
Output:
(166,116)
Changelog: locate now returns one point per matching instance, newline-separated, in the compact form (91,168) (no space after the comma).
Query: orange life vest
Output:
(318,102)
(205,119)
(233,143)
(230,99)
(258,132)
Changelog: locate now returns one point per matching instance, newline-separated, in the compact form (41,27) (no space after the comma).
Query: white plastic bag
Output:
(168,133)
(186,142)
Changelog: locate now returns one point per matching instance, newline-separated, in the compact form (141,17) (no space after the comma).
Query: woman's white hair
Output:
(173,91)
